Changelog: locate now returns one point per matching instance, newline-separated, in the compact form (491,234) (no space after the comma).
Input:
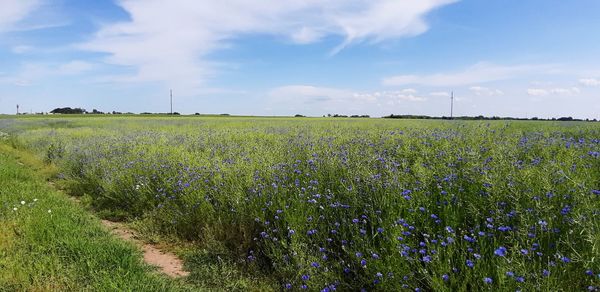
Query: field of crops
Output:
(344,204)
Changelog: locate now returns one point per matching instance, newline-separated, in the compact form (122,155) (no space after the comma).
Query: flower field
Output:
(348,204)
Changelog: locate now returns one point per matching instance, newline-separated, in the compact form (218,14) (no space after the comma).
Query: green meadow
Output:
(317,204)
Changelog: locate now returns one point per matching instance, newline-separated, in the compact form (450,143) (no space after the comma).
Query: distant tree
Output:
(197,114)
(68,110)
(299,116)
(565,119)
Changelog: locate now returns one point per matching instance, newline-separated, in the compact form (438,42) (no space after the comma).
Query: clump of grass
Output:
(49,244)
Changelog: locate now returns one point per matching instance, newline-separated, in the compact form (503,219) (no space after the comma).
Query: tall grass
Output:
(345,204)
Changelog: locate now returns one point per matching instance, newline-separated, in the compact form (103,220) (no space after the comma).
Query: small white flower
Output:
(35,200)
(49,211)
(22,202)
(15,209)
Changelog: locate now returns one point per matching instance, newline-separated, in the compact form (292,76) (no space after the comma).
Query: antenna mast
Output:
(452,105)
(171,101)
(17,109)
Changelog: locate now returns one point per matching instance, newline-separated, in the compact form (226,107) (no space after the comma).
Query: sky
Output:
(312,57)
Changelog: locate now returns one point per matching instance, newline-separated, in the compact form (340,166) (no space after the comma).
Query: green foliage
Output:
(49,244)
(375,204)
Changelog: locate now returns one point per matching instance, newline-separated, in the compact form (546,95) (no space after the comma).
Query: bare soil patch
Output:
(168,263)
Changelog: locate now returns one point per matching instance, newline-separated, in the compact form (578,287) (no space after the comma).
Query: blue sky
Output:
(313,57)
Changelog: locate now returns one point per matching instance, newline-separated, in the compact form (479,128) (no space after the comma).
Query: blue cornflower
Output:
(504,228)
(305,277)
(501,251)
(315,264)
(520,279)
(469,239)
(363,262)
(487,280)
(545,273)
(510,274)
(589,272)
(380,230)
(288,286)
(445,277)
(427,259)
(565,260)
(524,252)
(375,256)
(359,254)
(470,263)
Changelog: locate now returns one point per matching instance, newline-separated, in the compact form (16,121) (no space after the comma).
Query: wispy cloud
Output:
(11,12)
(485,91)
(589,82)
(31,72)
(440,94)
(169,41)
(553,91)
(306,96)
(479,73)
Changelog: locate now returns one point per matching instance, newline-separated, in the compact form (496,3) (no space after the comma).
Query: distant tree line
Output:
(346,116)
(468,118)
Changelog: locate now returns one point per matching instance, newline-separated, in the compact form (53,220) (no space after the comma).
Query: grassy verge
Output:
(48,243)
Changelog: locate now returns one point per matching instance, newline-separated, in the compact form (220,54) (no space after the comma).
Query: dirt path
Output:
(167,262)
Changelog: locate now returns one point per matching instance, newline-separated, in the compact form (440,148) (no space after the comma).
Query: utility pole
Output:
(452,105)
(171,101)
(17,109)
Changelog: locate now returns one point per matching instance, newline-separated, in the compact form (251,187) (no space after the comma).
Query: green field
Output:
(323,203)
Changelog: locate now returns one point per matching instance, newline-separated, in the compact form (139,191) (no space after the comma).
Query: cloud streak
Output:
(589,82)
(169,41)
(12,12)
(553,91)
(479,73)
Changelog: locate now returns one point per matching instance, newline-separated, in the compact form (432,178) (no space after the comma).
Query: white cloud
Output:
(537,92)
(22,49)
(484,91)
(74,67)
(553,91)
(28,73)
(169,41)
(11,12)
(339,98)
(478,73)
(440,94)
(391,96)
(589,82)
